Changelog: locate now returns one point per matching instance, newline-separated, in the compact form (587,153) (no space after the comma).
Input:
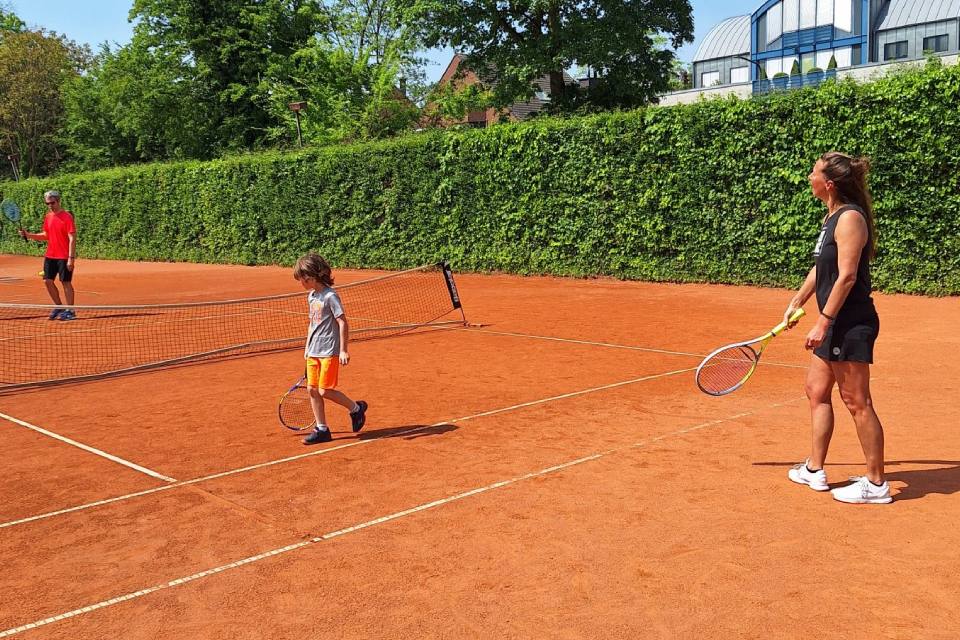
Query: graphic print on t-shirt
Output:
(819,246)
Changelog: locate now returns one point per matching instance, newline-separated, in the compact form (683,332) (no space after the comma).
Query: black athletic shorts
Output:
(850,341)
(53,267)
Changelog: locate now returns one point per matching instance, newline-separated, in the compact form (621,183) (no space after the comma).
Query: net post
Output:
(452,288)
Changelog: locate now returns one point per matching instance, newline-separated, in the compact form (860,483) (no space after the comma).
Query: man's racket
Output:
(728,368)
(295,411)
(12,213)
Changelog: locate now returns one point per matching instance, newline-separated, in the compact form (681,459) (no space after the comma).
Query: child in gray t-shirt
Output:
(326,347)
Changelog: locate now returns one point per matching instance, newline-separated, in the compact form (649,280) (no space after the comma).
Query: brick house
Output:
(516,112)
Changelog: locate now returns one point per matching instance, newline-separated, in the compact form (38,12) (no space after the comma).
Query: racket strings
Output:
(295,410)
(726,370)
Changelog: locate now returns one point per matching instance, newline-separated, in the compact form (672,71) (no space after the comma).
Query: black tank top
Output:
(858,302)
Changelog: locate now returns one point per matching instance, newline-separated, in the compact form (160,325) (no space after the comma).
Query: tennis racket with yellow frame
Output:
(729,367)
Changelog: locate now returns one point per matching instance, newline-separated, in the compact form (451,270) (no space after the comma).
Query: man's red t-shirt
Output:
(58,226)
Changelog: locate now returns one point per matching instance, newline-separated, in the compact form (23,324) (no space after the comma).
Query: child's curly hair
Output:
(313,266)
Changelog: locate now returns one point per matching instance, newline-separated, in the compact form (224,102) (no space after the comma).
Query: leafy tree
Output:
(9,22)
(136,104)
(448,103)
(34,65)
(355,76)
(347,98)
(200,79)
(227,48)
(525,39)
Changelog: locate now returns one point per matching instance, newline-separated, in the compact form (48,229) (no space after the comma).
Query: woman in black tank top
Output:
(842,338)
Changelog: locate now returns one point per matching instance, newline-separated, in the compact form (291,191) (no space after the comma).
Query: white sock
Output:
(322,427)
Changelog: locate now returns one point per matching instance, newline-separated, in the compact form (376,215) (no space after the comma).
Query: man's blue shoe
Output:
(56,313)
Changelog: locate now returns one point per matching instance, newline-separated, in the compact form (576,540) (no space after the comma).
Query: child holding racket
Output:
(843,337)
(326,347)
(60,234)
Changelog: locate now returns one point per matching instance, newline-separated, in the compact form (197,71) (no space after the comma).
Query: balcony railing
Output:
(785,83)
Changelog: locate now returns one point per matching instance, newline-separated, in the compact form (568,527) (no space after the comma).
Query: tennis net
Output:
(109,340)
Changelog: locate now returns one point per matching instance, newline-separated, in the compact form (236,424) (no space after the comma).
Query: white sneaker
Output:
(816,480)
(862,491)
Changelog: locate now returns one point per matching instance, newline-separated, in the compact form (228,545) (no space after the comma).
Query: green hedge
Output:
(715,191)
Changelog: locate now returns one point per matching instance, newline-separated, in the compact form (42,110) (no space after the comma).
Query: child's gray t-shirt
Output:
(323,336)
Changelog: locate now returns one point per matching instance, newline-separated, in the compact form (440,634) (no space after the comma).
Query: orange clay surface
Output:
(554,473)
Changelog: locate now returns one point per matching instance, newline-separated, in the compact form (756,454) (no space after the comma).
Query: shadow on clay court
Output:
(942,478)
(407,432)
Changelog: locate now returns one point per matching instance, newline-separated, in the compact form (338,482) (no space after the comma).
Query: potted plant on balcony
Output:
(832,67)
(763,84)
(780,80)
(796,76)
(815,76)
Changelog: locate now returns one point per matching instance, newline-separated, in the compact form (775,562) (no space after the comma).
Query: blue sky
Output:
(96,21)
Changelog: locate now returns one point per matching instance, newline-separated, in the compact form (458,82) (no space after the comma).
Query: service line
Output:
(88,448)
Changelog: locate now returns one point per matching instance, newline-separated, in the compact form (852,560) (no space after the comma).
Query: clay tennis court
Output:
(554,473)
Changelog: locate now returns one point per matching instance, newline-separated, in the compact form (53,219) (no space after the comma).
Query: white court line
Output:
(376,521)
(355,443)
(80,445)
(613,345)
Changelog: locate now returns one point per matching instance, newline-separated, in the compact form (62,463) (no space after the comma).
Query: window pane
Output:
(843,18)
(791,15)
(936,44)
(844,57)
(740,74)
(774,67)
(807,62)
(808,13)
(823,59)
(774,22)
(710,78)
(895,50)
(824,12)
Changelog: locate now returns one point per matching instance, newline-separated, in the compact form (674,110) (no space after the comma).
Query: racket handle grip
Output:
(794,317)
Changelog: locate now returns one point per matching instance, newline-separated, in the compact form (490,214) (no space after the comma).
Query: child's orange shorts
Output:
(322,372)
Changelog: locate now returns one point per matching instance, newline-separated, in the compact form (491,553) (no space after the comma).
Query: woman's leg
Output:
(819,389)
(853,379)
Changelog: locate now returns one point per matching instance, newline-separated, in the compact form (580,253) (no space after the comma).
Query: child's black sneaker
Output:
(359,417)
(318,436)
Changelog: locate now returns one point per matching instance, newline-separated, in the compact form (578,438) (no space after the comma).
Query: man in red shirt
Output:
(60,234)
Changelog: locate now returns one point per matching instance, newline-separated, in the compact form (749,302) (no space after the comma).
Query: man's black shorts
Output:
(53,267)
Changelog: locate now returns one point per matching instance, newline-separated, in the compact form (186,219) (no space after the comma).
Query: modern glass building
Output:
(786,36)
